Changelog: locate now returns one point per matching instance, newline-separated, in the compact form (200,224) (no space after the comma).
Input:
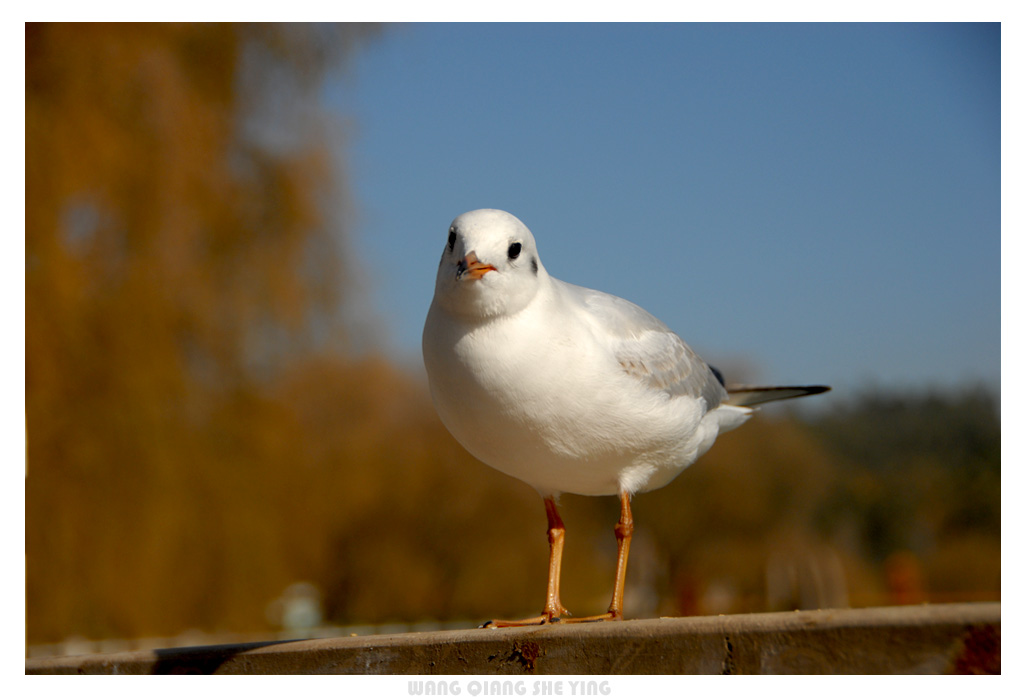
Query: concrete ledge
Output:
(953,638)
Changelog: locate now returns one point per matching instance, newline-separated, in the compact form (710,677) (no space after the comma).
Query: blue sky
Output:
(805,203)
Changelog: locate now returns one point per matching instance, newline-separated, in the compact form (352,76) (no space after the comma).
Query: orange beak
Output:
(471,267)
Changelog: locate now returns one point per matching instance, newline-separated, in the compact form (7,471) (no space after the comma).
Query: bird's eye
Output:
(514,249)
(451,239)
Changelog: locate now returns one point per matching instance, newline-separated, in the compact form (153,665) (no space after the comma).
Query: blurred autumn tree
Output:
(180,240)
(201,435)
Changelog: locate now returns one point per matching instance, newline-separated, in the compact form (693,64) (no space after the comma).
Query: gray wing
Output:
(647,349)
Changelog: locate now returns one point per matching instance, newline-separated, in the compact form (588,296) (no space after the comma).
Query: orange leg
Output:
(554,611)
(623,534)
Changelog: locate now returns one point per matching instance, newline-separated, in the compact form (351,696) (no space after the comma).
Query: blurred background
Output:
(231,238)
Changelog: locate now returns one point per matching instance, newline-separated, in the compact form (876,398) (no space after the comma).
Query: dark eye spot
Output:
(514,249)
(451,239)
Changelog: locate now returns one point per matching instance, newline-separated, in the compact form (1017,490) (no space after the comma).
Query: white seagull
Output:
(566,388)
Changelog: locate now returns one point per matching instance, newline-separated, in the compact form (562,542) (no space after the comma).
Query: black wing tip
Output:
(748,395)
(815,389)
(718,375)
(807,389)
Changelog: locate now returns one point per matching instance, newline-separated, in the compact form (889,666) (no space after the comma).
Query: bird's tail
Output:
(748,396)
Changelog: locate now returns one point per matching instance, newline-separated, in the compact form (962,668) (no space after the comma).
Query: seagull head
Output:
(489,267)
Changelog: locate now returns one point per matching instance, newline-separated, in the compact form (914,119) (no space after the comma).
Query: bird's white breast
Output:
(547,403)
